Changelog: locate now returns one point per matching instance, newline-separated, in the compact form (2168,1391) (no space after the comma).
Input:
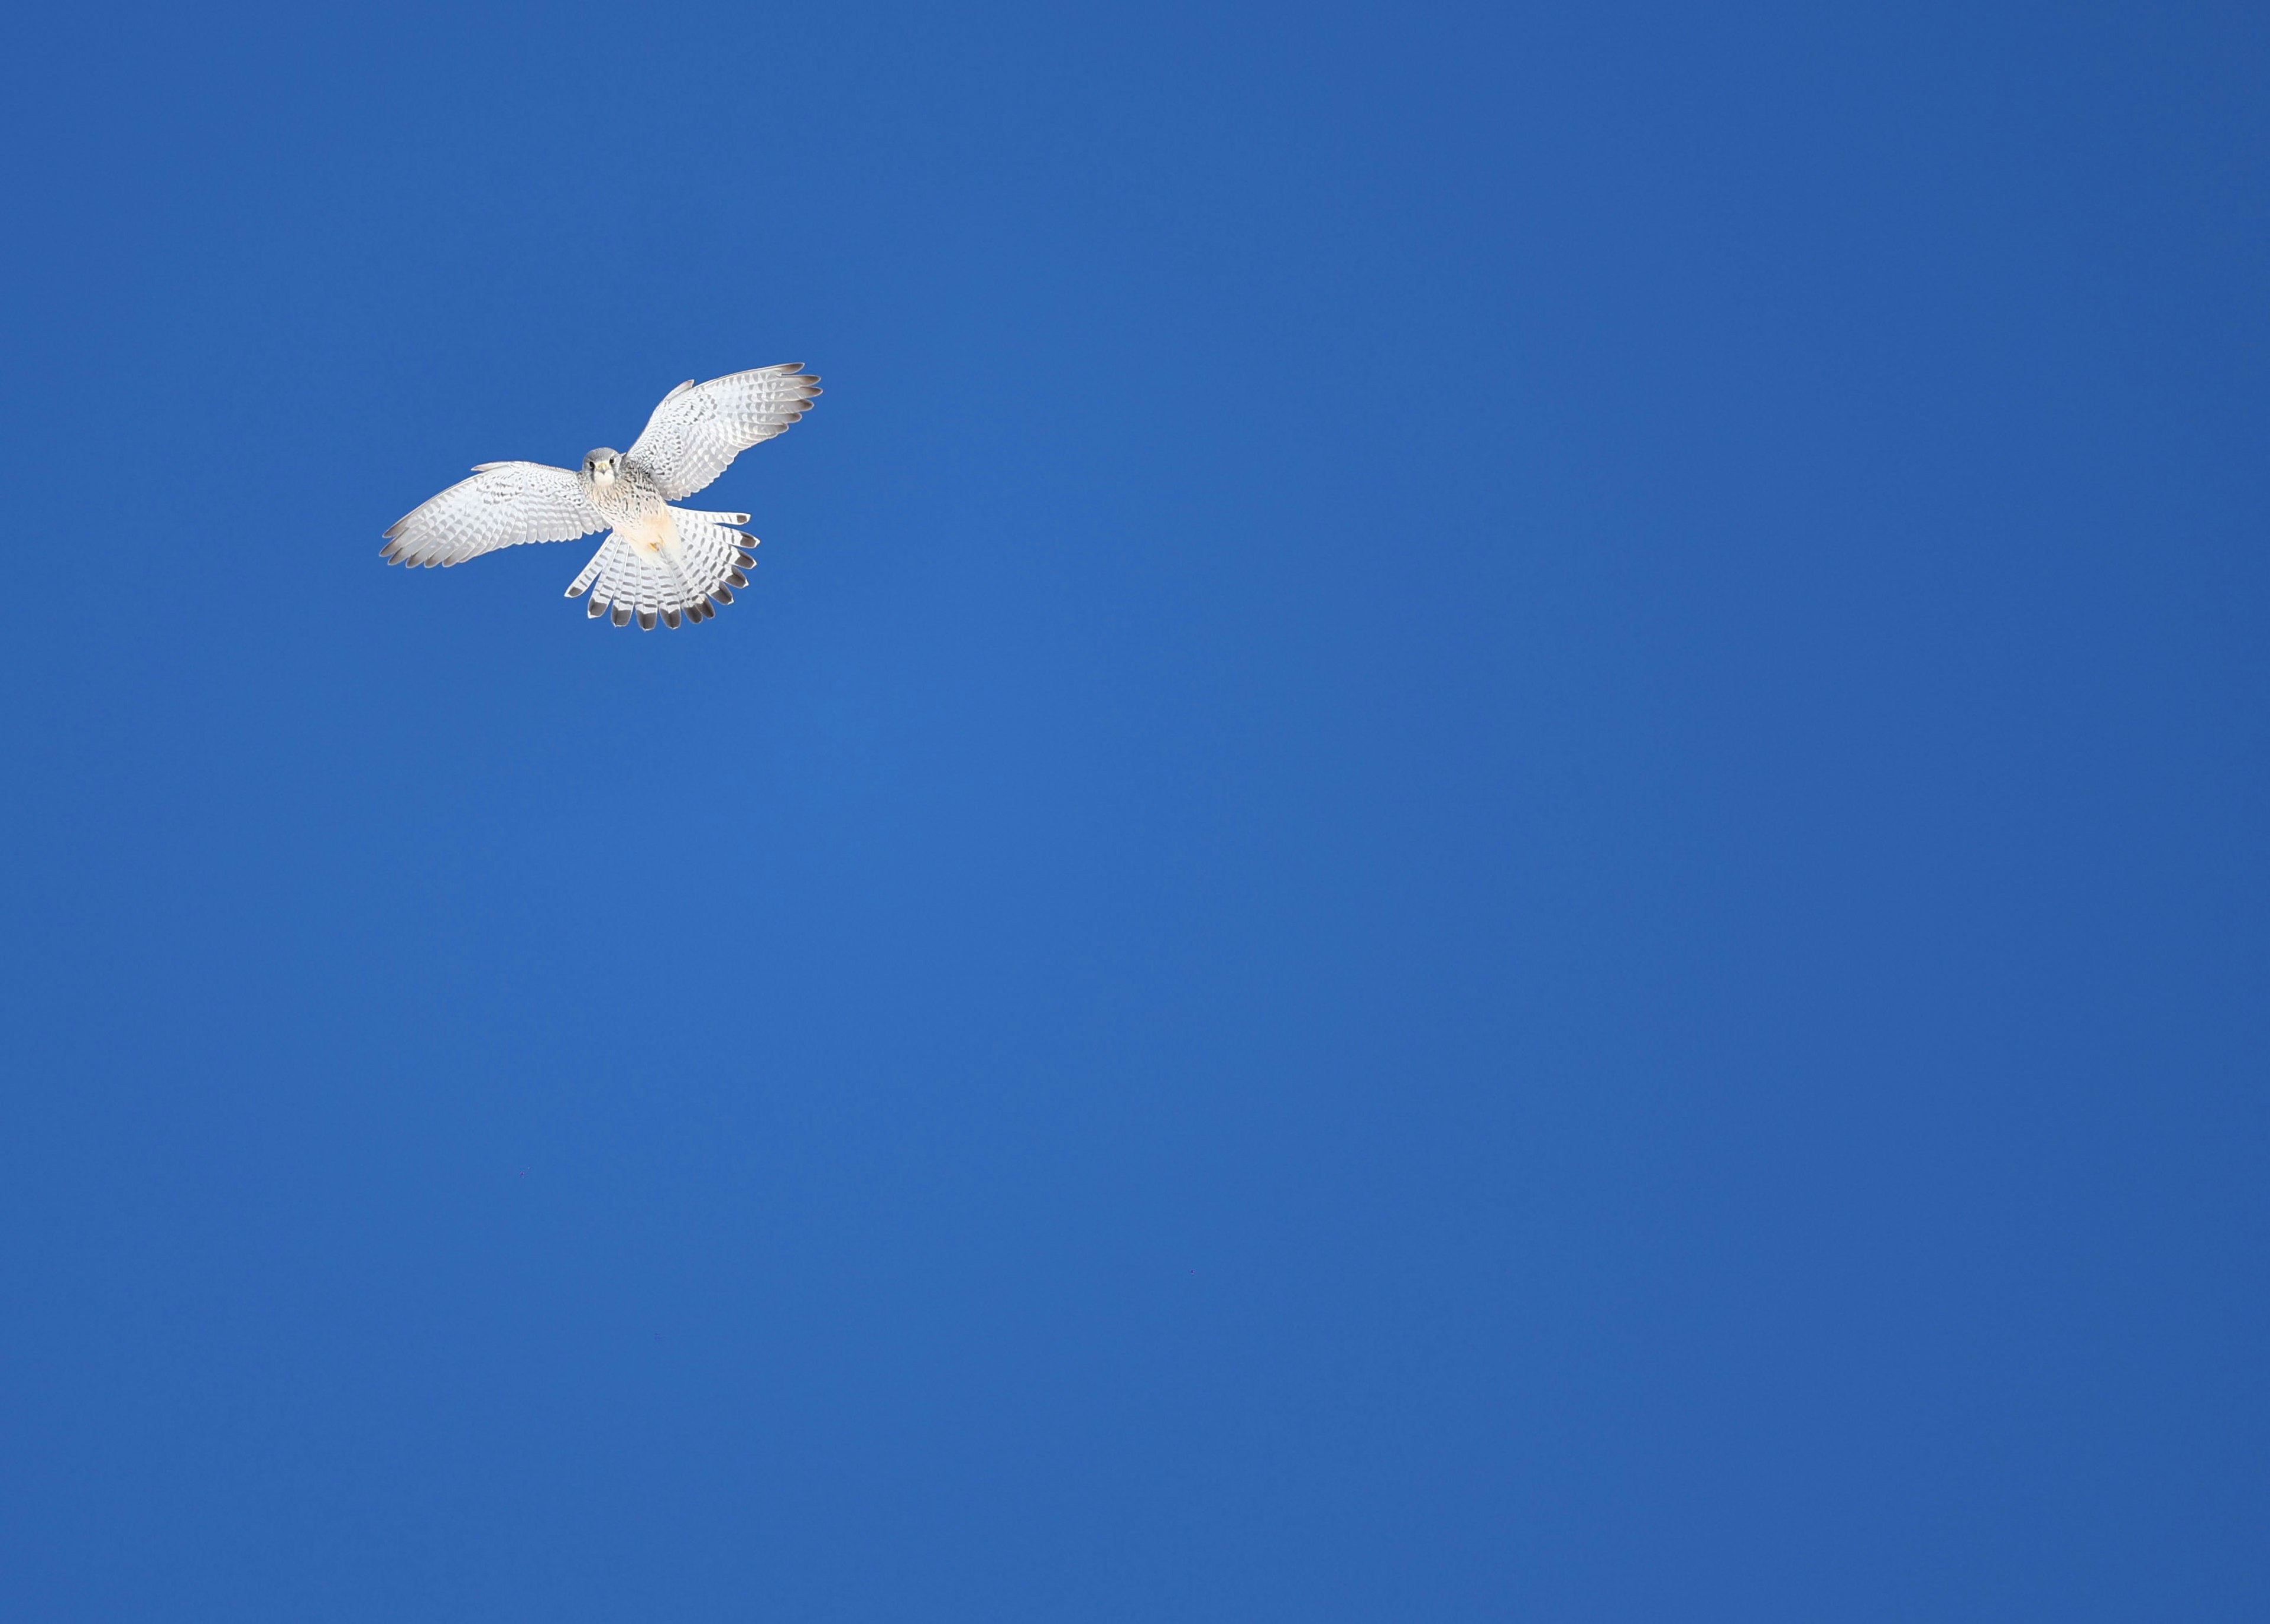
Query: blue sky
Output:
(1485,840)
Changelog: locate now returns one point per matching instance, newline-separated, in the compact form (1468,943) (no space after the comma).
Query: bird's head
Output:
(601,466)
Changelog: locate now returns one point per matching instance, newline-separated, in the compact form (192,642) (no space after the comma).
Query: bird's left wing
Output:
(501,505)
(699,428)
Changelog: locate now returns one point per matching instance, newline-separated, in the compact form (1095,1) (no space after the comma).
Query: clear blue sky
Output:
(1485,843)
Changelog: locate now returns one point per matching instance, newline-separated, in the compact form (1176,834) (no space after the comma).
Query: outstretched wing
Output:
(698,429)
(501,505)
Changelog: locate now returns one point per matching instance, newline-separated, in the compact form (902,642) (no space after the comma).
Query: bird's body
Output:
(659,564)
(627,499)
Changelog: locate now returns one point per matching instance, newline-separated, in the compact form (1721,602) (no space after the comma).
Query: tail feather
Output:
(680,586)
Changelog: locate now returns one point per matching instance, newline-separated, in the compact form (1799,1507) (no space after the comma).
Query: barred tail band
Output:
(626,584)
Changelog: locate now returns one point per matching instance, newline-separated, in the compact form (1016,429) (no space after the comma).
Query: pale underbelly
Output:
(651,533)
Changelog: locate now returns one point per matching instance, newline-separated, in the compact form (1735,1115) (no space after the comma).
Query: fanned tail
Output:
(678,585)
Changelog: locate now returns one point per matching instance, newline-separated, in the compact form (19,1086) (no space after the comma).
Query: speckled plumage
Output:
(659,564)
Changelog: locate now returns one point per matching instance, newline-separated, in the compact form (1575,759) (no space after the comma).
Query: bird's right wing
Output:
(502,505)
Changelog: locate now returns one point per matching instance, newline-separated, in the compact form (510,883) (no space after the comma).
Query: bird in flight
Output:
(659,562)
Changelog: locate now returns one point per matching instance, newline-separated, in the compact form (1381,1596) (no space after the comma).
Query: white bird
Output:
(659,562)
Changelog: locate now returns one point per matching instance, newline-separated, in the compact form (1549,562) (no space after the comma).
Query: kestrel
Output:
(659,563)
